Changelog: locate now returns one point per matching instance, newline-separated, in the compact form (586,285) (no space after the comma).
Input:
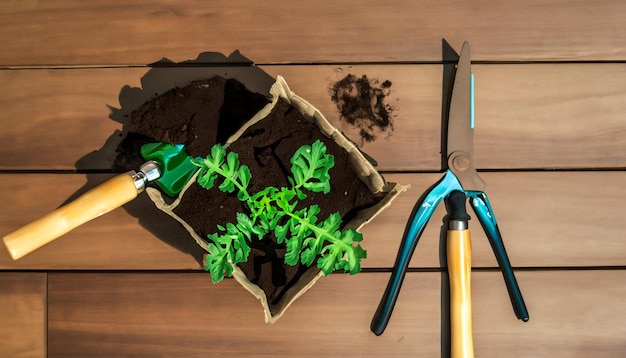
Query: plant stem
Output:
(320,232)
(224,174)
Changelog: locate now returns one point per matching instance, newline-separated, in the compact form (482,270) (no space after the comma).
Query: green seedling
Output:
(276,210)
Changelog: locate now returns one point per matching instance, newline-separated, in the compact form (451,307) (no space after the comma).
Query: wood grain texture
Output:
(542,222)
(550,94)
(174,314)
(123,33)
(23,314)
(550,116)
(527,116)
(43,114)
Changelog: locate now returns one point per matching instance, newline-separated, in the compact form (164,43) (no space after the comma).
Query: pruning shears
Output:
(460,176)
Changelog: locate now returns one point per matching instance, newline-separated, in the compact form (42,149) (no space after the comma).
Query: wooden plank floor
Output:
(550,142)
(23,304)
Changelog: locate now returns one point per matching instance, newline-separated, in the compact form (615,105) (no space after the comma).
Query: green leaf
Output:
(218,152)
(342,254)
(280,231)
(209,165)
(262,202)
(284,200)
(292,255)
(244,176)
(206,178)
(309,253)
(332,223)
(227,248)
(245,224)
(354,259)
(298,231)
(235,177)
(234,241)
(310,166)
(349,236)
(304,220)
(329,260)
(230,169)
(217,264)
(232,161)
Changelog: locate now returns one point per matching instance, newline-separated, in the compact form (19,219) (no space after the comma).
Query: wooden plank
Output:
(527,116)
(547,219)
(573,313)
(65,107)
(550,116)
(73,32)
(23,313)
(56,105)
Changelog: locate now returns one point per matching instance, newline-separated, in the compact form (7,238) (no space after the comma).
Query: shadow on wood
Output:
(163,76)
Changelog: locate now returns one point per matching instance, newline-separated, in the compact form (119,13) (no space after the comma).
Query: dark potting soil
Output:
(361,103)
(266,148)
(198,115)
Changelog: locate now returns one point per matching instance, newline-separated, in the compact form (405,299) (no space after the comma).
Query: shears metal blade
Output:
(460,140)
(460,118)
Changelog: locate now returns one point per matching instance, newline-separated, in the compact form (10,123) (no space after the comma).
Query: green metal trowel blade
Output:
(176,165)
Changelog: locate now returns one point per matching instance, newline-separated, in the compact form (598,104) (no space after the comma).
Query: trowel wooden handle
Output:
(97,201)
(459,269)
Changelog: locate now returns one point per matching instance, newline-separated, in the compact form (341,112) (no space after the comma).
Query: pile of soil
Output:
(208,112)
(362,103)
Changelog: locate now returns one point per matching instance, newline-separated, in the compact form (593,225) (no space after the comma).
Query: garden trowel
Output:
(167,164)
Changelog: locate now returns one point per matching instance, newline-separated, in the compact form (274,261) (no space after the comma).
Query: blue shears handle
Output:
(422,212)
(481,206)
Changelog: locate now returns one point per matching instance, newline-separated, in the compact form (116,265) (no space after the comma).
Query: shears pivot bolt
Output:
(461,161)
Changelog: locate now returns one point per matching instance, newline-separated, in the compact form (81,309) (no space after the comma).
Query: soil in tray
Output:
(198,115)
(208,112)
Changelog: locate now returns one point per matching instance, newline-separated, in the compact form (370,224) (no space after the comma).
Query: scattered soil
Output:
(361,103)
